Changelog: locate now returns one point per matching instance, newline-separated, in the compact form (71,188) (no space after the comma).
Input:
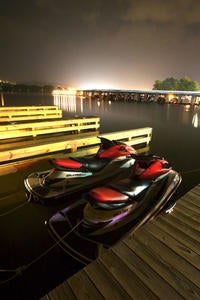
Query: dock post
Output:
(2,100)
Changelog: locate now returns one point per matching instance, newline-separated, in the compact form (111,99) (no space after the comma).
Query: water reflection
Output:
(81,105)
(65,102)
(196,119)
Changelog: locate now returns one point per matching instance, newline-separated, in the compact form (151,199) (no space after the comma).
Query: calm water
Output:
(23,233)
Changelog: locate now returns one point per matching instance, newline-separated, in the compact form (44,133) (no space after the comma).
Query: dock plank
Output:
(186,219)
(181,231)
(142,266)
(105,282)
(192,199)
(171,258)
(195,198)
(190,213)
(83,287)
(127,277)
(190,205)
(162,262)
(182,244)
(63,291)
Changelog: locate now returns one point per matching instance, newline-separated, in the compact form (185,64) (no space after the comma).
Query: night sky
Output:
(123,44)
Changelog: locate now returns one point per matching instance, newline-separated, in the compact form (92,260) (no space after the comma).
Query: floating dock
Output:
(27,113)
(23,140)
(12,155)
(160,261)
(34,129)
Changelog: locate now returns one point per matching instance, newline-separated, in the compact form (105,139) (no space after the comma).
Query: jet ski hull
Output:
(84,230)
(39,191)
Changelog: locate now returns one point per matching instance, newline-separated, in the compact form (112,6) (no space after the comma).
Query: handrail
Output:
(22,113)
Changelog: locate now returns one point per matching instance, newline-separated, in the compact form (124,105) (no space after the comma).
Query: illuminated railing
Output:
(76,146)
(27,113)
(77,125)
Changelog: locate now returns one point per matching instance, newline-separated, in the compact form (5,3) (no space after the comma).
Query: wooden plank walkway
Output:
(160,261)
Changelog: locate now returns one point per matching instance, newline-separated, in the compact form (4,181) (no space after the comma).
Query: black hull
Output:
(85,239)
(39,192)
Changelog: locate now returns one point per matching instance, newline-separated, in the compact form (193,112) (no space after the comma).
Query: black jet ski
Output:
(108,213)
(70,175)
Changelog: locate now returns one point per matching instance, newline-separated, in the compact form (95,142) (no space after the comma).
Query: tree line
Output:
(174,84)
(170,84)
(7,87)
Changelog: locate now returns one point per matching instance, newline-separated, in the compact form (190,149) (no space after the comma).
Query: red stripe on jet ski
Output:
(67,163)
(104,194)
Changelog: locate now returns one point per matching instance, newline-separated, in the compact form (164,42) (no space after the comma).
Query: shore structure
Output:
(147,96)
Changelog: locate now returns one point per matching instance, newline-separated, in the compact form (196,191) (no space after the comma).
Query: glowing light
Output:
(187,107)
(97,86)
(62,91)
(170,97)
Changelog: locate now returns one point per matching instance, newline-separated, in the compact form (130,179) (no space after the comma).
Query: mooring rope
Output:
(21,269)
(190,171)
(13,209)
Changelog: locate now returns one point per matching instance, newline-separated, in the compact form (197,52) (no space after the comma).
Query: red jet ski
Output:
(108,213)
(70,175)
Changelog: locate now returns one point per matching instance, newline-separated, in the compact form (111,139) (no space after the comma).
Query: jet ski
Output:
(106,214)
(70,175)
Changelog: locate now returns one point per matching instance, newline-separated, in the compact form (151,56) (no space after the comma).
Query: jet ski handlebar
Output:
(106,143)
(146,157)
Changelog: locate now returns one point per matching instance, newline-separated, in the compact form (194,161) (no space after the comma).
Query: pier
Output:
(161,260)
(146,96)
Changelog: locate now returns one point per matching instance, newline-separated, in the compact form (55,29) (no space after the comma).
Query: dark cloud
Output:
(125,43)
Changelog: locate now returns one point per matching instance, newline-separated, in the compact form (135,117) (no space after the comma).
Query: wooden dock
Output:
(24,113)
(77,125)
(160,261)
(24,139)
(86,144)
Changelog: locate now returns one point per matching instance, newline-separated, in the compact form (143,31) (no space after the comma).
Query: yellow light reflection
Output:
(195,120)
(62,91)
(65,102)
